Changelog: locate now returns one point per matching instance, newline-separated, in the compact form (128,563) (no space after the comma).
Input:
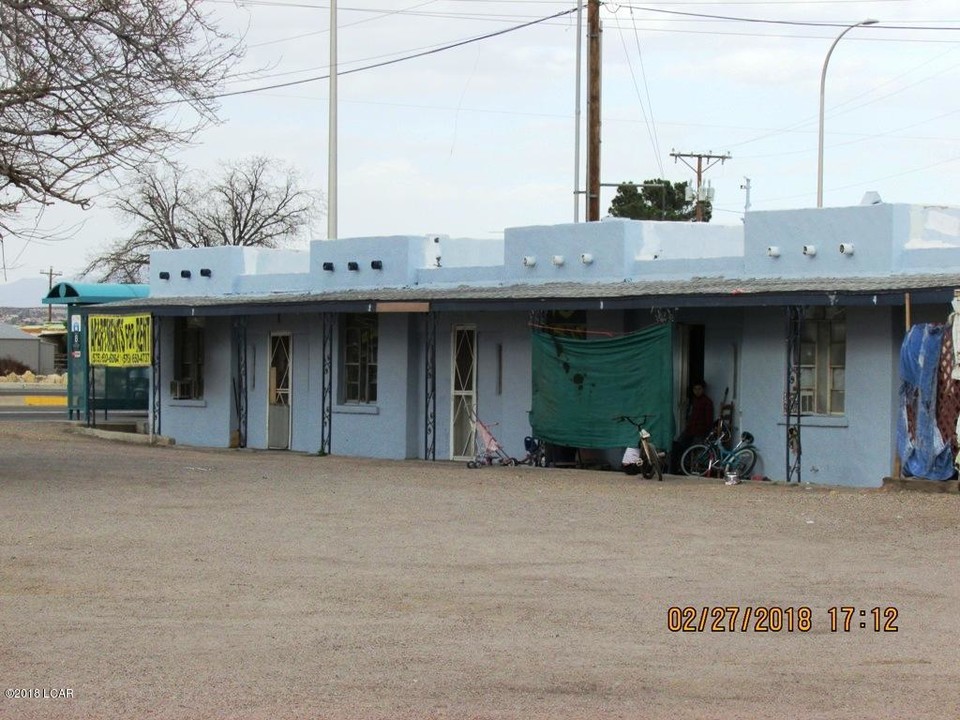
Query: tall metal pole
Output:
(823,81)
(332,142)
(593,110)
(576,116)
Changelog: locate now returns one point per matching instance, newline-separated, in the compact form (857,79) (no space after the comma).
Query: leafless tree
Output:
(256,202)
(89,86)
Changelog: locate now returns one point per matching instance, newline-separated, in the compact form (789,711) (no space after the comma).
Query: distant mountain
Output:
(32,315)
(25,292)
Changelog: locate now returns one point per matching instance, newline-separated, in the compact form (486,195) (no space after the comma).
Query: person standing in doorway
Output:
(698,426)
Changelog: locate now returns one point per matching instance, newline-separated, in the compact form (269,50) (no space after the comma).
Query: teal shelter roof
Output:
(73,293)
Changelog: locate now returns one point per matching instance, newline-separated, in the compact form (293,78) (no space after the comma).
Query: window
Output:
(566,323)
(359,359)
(823,351)
(188,359)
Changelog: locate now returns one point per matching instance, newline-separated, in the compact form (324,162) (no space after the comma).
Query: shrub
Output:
(9,365)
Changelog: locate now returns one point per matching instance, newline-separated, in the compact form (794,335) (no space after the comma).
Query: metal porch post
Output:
(430,385)
(240,389)
(792,393)
(328,323)
(155,379)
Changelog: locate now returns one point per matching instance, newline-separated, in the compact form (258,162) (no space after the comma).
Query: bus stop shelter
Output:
(92,388)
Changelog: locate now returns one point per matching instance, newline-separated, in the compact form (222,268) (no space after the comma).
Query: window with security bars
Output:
(188,351)
(359,359)
(823,350)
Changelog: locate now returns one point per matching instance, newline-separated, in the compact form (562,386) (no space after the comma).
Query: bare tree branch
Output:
(86,87)
(256,202)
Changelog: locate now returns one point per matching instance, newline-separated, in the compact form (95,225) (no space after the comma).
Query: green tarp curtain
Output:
(580,386)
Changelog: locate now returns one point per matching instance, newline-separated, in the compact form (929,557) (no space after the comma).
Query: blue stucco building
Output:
(386,347)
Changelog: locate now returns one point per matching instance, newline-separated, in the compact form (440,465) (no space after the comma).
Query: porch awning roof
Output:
(688,292)
(73,293)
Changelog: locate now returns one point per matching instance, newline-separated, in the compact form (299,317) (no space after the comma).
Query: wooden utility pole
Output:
(50,275)
(700,169)
(593,110)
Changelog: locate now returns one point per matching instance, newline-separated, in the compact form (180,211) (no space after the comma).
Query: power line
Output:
(649,122)
(413,56)
(766,21)
(646,89)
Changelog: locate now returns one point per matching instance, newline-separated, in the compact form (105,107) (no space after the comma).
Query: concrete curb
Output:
(127,437)
(922,485)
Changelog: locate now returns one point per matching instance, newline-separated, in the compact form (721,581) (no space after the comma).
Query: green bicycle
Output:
(710,456)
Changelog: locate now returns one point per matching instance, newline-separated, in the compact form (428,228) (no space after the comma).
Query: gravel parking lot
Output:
(172,582)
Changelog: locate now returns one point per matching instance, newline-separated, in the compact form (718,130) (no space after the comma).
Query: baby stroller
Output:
(488,449)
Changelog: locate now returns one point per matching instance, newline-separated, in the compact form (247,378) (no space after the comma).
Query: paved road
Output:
(181,583)
(31,414)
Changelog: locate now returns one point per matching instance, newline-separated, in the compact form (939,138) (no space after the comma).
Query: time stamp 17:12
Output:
(776,618)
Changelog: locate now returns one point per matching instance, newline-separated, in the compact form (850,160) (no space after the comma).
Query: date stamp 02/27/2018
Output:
(779,619)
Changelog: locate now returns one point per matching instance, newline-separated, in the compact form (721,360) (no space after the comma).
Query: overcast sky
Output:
(471,140)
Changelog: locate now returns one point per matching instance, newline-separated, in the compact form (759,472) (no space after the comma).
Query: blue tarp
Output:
(923,451)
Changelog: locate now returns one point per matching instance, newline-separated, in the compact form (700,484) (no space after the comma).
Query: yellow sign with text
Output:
(119,340)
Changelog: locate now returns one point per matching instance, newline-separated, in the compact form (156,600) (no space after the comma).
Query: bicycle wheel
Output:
(742,462)
(653,462)
(698,460)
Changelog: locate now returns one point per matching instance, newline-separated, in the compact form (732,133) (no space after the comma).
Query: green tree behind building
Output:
(656,199)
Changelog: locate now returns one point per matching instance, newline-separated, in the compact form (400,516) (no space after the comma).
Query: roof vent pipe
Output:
(846,248)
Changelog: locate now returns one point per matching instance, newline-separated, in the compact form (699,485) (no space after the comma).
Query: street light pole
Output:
(823,81)
(332,130)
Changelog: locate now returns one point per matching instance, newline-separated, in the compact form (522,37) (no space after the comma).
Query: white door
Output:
(464,392)
(278,408)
